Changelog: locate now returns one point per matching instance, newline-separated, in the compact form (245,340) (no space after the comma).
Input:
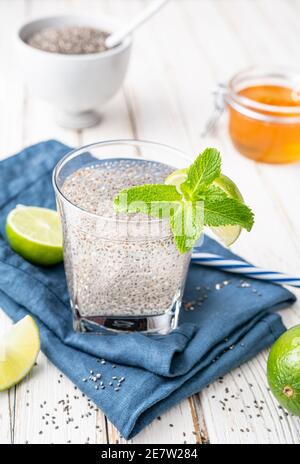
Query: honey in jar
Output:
(264,119)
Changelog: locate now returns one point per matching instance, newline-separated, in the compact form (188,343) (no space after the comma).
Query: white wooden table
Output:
(167,97)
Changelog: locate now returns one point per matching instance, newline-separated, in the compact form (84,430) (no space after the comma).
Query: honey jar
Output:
(264,114)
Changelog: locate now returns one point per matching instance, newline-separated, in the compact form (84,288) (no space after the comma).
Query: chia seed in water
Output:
(118,264)
(71,40)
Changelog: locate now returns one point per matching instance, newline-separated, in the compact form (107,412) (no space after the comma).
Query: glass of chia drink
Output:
(124,271)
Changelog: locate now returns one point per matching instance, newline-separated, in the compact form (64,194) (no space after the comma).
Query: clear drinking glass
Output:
(124,272)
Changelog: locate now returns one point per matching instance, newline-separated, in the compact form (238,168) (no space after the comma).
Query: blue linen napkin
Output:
(222,328)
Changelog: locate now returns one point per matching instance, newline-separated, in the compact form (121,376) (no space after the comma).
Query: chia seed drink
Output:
(124,271)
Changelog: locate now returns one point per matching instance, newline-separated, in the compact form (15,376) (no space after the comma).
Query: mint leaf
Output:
(205,169)
(227,211)
(155,200)
(187,223)
(213,193)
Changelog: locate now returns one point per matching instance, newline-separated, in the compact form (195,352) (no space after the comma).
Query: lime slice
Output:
(177,178)
(228,234)
(226,184)
(35,233)
(18,352)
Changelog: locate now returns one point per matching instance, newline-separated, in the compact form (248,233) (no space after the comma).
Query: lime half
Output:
(35,233)
(19,348)
(283,370)
(228,234)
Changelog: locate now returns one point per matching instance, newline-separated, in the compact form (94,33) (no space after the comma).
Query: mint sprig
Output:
(200,203)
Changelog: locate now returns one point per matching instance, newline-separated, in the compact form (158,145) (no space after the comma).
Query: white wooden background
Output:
(167,97)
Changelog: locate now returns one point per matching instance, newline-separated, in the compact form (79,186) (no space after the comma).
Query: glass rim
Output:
(77,151)
(258,110)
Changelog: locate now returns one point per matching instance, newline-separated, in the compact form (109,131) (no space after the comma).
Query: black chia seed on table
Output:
(69,40)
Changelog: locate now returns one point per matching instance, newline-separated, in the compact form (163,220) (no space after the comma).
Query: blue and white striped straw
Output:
(240,267)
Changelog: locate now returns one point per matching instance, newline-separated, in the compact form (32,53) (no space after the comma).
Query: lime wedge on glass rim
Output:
(35,234)
(227,234)
(19,348)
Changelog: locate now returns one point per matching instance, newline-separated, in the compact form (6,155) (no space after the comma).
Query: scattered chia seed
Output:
(221,285)
(244,284)
(190,306)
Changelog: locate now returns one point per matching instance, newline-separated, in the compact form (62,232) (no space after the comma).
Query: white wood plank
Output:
(245,407)
(50,409)
(247,411)
(283,19)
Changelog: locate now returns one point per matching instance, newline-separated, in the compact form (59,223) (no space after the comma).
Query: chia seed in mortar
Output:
(118,264)
(73,40)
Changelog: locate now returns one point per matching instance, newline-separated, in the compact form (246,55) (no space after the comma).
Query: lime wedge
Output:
(226,184)
(35,233)
(18,352)
(227,234)
(177,178)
